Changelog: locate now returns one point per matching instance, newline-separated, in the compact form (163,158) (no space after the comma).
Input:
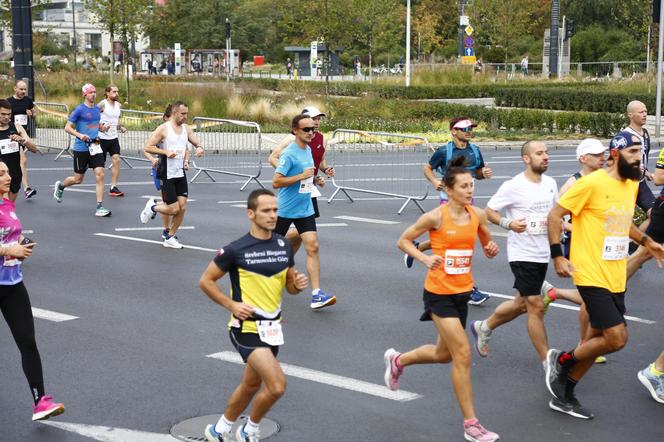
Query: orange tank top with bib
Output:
(455,244)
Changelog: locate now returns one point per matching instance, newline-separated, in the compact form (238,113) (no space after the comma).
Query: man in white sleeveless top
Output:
(110,116)
(173,162)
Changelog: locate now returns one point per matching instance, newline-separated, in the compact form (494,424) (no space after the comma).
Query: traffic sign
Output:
(464,20)
(468,42)
(469,30)
(469,52)
(468,60)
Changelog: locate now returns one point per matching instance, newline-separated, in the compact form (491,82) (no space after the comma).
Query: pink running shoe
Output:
(473,431)
(46,408)
(392,372)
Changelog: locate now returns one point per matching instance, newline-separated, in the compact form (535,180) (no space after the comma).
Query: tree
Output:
(6,11)
(379,26)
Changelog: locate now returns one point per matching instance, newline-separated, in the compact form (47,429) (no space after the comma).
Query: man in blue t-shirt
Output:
(294,177)
(460,146)
(83,124)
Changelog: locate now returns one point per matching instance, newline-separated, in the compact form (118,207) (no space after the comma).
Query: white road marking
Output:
(131,229)
(51,316)
(120,184)
(572,307)
(70,189)
(150,241)
(242,206)
(109,434)
(328,379)
(366,220)
(233,202)
(158,198)
(331,225)
(27,232)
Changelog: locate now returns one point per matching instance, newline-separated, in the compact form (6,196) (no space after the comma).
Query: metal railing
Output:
(231,147)
(140,125)
(49,127)
(379,163)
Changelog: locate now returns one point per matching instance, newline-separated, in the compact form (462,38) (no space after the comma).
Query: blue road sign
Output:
(468,42)
(470,52)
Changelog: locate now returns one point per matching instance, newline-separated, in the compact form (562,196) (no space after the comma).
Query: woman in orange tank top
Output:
(452,229)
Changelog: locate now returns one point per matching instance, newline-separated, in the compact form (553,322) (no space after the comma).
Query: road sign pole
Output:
(660,49)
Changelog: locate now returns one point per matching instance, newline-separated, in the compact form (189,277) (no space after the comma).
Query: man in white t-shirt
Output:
(526,201)
(110,115)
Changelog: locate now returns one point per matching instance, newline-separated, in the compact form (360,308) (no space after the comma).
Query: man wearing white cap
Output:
(460,146)
(84,124)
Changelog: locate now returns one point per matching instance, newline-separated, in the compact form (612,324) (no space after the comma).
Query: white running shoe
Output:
(172,242)
(147,213)
(481,339)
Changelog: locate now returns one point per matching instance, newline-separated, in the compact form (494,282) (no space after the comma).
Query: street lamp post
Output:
(407,43)
(228,50)
(73,26)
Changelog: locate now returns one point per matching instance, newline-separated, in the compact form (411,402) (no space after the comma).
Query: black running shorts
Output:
(446,306)
(173,188)
(246,343)
(302,225)
(83,160)
(605,309)
(111,147)
(528,276)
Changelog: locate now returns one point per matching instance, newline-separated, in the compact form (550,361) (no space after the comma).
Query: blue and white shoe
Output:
(211,435)
(477,297)
(407,259)
(654,384)
(322,299)
(242,436)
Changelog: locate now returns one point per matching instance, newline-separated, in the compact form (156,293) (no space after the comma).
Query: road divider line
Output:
(69,189)
(158,198)
(131,229)
(151,241)
(51,316)
(366,220)
(328,379)
(575,308)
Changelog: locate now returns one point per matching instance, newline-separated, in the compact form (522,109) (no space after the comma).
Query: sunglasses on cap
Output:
(465,129)
(307,129)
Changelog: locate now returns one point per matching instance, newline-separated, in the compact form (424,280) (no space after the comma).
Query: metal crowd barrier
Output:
(49,127)
(140,125)
(231,148)
(380,164)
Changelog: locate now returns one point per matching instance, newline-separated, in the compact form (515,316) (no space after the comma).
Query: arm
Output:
(208,283)
(516,225)
(295,281)
(483,232)
(20,251)
(658,177)
(279,180)
(654,248)
(71,130)
(431,176)
(323,166)
(157,137)
(563,267)
(273,159)
(23,138)
(193,139)
(426,222)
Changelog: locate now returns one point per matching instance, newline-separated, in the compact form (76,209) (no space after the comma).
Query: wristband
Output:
(643,239)
(505,223)
(556,250)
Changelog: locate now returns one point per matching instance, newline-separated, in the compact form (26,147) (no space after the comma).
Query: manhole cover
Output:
(191,430)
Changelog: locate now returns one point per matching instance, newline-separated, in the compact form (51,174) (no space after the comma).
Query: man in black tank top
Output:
(12,138)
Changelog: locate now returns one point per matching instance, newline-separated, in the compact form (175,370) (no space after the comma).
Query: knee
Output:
(277,388)
(252,388)
(99,174)
(182,206)
(616,342)
(463,357)
(311,247)
(535,306)
(173,209)
(78,179)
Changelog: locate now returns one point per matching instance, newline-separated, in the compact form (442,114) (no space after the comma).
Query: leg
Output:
(427,354)
(536,330)
(636,260)
(115,170)
(99,183)
(424,246)
(600,343)
(24,170)
(266,366)
(659,363)
(294,237)
(241,397)
(506,312)
(177,218)
(310,240)
(77,178)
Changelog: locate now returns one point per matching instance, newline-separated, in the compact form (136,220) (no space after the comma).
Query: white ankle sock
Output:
(251,427)
(223,425)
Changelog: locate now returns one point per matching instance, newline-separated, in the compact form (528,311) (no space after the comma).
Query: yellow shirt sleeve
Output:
(576,197)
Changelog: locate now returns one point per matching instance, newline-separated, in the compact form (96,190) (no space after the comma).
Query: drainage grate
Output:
(191,430)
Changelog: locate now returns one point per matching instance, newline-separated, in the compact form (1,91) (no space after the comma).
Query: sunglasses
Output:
(307,129)
(465,129)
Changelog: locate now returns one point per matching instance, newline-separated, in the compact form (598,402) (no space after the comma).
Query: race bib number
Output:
(457,262)
(615,248)
(270,332)
(307,186)
(537,225)
(11,261)
(95,149)
(8,146)
(21,119)
(315,193)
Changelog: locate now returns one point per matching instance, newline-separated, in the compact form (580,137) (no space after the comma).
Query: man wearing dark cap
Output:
(602,206)
(460,146)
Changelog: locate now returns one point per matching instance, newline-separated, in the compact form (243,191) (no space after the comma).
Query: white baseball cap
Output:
(313,112)
(463,124)
(589,146)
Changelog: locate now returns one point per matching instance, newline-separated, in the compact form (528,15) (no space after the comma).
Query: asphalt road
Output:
(134,361)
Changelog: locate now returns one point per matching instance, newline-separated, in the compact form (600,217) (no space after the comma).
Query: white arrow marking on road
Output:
(51,316)
(150,241)
(328,379)
(131,229)
(110,434)
(366,220)
(571,307)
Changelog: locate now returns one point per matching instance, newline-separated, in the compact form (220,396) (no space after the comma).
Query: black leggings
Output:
(15,306)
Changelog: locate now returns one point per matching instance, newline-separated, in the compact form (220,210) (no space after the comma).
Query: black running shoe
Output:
(556,374)
(570,406)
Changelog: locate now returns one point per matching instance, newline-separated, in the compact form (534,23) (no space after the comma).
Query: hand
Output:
(123,129)
(30,112)
(319,181)
(491,249)
(20,251)
(329,171)
(564,268)
(85,138)
(518,225)
(440,185)
(308,173)
(17,138)
(241,310)
(171,154)
(300,280)
(657,251)
(487,172)
(199,151)
(103,127)
(186,165)
(432,261)
(154,161)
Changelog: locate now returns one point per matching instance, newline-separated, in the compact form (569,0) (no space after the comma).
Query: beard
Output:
(540,169)
(629,171)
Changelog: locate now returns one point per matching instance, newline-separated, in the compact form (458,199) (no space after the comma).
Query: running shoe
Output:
(172,243)
(58,190)
(556,374)
(102,211)
(115,191)
(242,436)
(211,435)
(147,213)
(481,339)
(570,406)
(477,297)
(392,371)
(407,259)
(46,408)
(654,384)
(475,432)
(30,192)
(322,299)
(544,291)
